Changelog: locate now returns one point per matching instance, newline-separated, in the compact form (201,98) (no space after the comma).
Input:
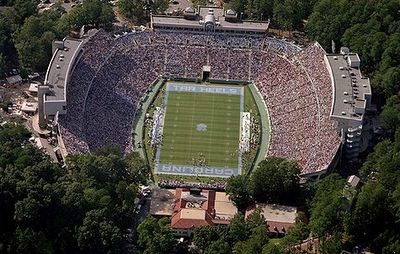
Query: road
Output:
(138,216)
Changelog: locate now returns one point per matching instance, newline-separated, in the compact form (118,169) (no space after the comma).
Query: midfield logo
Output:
(201,127)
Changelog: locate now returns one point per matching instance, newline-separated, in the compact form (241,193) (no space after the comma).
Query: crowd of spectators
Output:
(156,127)
(245,134)
(218,186)
(111,78)
(255,132)
(71,124)
(297,90)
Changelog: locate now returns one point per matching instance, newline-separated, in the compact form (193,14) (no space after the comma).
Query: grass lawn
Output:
(201,126)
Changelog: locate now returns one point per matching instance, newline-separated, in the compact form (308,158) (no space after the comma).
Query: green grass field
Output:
(182,140)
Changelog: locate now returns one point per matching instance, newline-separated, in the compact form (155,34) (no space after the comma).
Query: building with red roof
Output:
(278,218)
(194,208)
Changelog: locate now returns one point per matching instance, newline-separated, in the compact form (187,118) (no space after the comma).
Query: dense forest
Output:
(26,35)
(85,207)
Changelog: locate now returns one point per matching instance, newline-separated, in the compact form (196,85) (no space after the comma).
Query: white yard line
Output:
(191,129)
(211,126)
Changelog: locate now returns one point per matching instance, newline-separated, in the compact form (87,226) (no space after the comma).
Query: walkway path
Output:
(265,125)
(140,118)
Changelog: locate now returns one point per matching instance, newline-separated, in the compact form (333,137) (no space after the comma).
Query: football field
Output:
(201,129)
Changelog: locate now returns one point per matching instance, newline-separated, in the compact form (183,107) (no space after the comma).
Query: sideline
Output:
(137,135)
(265,126)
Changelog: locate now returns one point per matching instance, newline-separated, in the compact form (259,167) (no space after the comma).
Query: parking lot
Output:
(178,5)
(68,5)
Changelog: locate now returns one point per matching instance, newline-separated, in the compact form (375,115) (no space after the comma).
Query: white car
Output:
(34,75)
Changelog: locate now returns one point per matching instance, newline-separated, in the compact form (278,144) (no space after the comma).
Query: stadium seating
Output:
(112,76)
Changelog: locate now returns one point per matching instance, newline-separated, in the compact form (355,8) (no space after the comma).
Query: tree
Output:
(27,210)
(237,228)
(392,248)
(272,248)
(29,241)
(196,3)
(103,170)
(367,40)
(98,233)
(296,234)
(327,211)
(391,55)
(370,215)
(3,67)
(325,25)
(218,247)
(25,8)
(203,236)
(159,6)
(139,170)
(281,15)
(333,244)
(255,243)
(391,81)
(33,40)
(237,188)
(91,12)
(390,115)
(377,205)
(395,198)
(156,236)
(243,236)
(383,163)
(276,180)
(132,9)
(85,207)
(289,14)
(254,220)
(237,5)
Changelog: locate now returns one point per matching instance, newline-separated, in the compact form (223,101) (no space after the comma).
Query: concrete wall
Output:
(52,107)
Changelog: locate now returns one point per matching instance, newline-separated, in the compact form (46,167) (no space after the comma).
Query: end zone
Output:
(195,170)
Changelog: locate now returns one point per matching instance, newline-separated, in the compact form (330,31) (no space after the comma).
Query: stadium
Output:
(182,92)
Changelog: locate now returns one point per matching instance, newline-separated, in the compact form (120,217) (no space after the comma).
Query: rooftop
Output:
(224,208)
(175,21)
(203,12)
(279,218)
(353,180)
(350,87)
(193,213)
(57,71)
(30,107)
(14,79)
(162,202)
(33,87)
(194,208)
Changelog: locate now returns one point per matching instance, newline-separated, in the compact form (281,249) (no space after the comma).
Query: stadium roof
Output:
(59,67)
(175,21)
(351,89)
(164,21)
